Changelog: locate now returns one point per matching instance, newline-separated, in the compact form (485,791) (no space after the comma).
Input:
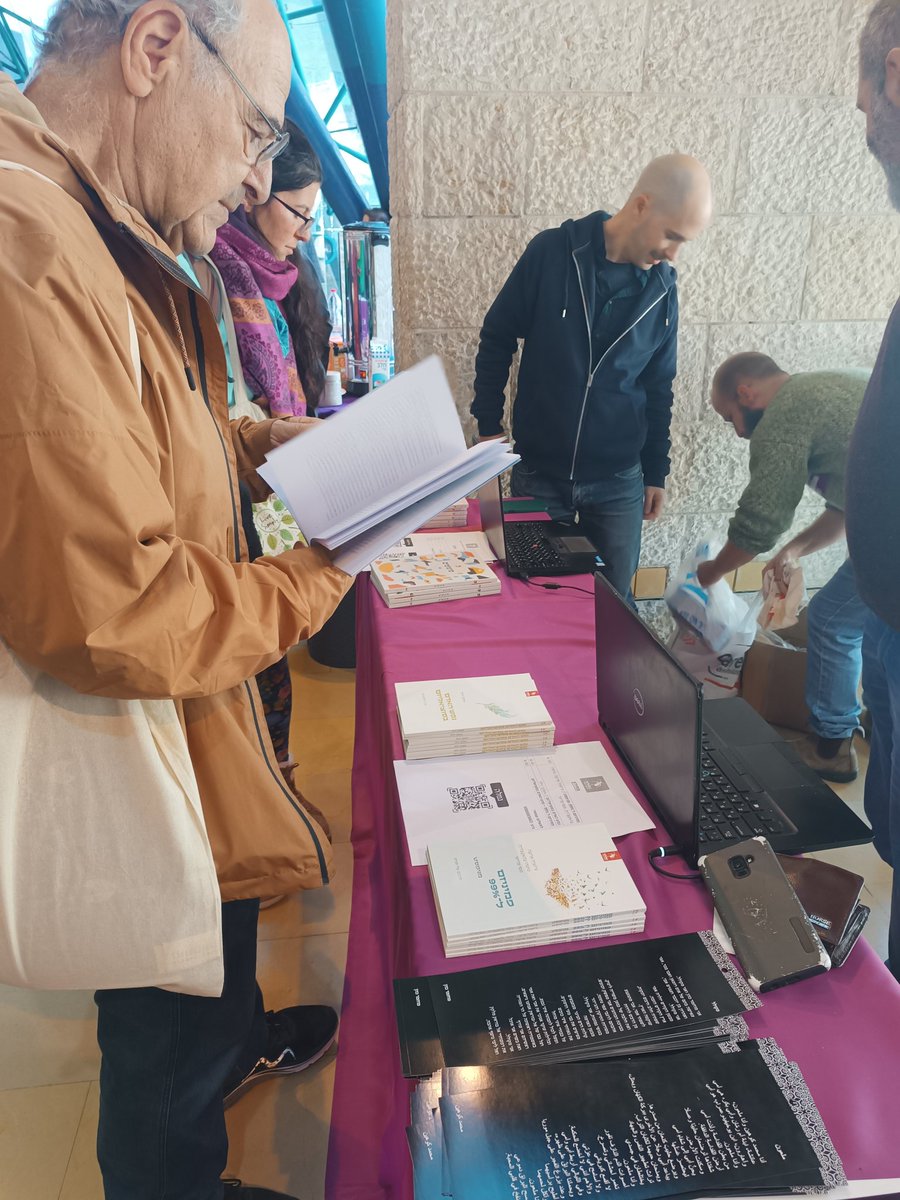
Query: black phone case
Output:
(772,935)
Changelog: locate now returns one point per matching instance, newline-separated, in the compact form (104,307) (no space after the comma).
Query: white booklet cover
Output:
(473,795)
(448,706)
(548,877)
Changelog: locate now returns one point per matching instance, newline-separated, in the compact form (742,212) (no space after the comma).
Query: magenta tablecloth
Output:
(843,1028)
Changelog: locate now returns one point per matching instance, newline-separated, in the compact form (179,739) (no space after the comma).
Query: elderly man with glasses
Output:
(123,569)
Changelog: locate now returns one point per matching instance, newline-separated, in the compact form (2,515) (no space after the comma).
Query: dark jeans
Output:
(609,511)
(881,685)
(166,1058)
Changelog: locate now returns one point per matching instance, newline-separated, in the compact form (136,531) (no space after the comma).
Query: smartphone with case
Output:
(772,935)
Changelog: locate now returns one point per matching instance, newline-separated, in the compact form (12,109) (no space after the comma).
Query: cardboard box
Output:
(748,578)
(774,677)
(649,583)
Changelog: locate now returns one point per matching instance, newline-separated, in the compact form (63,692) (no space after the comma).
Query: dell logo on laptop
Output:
(638,702)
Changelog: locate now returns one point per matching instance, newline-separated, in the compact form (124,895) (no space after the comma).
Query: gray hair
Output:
(82,29)
(880,35)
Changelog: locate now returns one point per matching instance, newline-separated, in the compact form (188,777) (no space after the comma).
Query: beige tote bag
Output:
(107,878)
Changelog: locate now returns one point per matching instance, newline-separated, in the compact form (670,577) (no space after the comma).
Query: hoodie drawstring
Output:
(178,333)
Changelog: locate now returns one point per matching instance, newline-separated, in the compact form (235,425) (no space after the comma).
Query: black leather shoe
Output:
(235,1190)
(298,1037)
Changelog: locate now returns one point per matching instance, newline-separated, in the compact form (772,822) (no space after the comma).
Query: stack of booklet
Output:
(453,517)
(429,578)
(487,714)
(641,997)
(532,889)
(710,1121)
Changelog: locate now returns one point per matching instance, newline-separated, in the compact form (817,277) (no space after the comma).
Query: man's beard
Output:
(884,143)
(752,417)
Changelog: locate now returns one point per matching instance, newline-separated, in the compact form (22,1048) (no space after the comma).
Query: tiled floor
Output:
(278,1133)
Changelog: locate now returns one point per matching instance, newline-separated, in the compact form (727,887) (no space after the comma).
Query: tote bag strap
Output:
(8,164)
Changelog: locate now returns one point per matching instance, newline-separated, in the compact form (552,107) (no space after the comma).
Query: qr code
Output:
(463,799)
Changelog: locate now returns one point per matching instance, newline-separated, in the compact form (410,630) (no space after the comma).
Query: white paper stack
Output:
(453,517)
(534,889)
(427,579)
(488,714)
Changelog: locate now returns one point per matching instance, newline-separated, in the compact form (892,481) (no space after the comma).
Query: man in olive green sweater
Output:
(799,429)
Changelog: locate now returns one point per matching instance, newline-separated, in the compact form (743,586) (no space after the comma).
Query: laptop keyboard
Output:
(730,808)
(526,546)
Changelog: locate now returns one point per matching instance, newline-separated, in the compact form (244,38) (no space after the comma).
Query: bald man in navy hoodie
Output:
(596,306)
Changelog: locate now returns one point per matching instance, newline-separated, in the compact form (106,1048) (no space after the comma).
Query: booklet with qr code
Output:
(534,889)
(479,794)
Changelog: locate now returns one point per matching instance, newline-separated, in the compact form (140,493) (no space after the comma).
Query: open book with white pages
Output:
(369,476)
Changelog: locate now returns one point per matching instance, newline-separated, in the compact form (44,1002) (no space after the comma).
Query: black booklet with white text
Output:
(656,994)
(712,1120)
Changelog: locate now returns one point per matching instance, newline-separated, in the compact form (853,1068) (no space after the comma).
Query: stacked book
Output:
(430,578)
(638,997)
(532,889)
(453,517)
(618,1069)
(490,713)
(696,1123)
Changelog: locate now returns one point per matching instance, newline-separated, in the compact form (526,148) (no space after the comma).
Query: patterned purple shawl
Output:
(252,275)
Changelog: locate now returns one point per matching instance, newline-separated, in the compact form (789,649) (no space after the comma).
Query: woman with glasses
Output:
(282,329)
(279,313)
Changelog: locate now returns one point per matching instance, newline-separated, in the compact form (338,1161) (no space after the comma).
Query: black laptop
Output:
(714,773)
(527,548)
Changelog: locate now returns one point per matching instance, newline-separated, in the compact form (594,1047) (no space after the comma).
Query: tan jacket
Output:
(123,567)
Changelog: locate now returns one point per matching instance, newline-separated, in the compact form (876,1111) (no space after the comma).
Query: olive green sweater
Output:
(801,440)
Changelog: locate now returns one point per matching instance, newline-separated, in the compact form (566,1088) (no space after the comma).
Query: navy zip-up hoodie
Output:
(574,418)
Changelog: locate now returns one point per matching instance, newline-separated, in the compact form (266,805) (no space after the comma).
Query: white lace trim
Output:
(793,1086)
(731,1030)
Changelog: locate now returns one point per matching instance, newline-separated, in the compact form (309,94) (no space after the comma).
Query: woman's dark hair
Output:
(305,307)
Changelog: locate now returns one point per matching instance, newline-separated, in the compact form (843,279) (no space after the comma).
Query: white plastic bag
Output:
(107,879)
(782,606)
(716,613)
(719,673)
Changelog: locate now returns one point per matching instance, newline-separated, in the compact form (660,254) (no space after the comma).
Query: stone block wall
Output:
(508,116)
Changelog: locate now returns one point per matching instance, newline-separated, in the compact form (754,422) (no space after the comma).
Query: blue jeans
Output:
(166,1059)
(881,680)
(837,617)
(609,511)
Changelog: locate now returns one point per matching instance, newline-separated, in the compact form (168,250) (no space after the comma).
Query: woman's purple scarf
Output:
(252,275)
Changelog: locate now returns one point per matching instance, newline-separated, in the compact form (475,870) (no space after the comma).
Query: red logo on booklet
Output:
(611,856)
(532,693)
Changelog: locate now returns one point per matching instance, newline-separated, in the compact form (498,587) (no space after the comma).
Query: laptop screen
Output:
(491,508)
(651,709)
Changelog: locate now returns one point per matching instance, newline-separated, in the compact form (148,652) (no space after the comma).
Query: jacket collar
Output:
(26,139)
(586,240)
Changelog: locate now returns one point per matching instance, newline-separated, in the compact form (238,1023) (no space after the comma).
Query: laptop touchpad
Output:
(576,544)
(769,765)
